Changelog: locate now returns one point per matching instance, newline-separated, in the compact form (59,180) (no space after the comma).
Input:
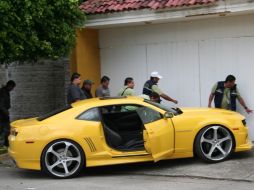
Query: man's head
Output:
(155,76)
(105,82)
(230,81)
(154,97)
(129,82)
(76,79)
(88,85)
(10,85)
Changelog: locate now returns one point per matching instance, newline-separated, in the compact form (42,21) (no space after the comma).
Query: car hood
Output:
(210,111)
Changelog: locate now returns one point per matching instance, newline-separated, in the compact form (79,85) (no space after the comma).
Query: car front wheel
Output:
(214,144)
(62,159)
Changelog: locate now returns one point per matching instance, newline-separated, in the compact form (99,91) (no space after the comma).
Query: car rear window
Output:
(54,112)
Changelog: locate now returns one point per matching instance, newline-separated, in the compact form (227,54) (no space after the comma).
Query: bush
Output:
(38,29)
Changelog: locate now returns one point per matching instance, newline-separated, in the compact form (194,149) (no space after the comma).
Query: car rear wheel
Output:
(62,159)
(214,144)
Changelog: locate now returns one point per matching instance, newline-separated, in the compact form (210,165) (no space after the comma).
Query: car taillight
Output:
(14,131)
(244,122)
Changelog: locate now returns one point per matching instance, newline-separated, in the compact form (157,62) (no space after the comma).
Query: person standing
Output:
(87,87)
(5,105)
(225,94)
(103,89)
(74,92)
(127,90)
(151,86)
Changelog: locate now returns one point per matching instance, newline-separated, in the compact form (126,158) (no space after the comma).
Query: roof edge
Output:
(146,16)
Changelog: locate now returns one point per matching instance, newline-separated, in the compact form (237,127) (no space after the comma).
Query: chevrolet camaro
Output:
(107,131)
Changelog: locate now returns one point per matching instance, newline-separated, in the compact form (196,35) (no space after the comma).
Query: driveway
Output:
(239,167)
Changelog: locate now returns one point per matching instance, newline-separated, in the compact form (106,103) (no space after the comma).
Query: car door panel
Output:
(158,134)
(159,139)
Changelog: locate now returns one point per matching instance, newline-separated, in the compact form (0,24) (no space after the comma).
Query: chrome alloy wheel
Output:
(216,143)
(62,159)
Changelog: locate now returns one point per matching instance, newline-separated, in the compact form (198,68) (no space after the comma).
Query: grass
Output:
(3,150)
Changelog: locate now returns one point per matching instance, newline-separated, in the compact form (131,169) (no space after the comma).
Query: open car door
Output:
(158,133)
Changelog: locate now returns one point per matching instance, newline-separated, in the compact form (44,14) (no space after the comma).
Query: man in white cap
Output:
(151,86)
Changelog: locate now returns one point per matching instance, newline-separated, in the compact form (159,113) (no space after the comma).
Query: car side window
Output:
(90,115)
(119,108)
(148,115)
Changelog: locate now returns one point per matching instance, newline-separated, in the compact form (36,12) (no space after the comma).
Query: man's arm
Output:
(156,89)
(166,97)
(241,101)
(212,95)
(210,100)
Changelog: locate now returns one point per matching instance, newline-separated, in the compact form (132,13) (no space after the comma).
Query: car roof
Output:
(108,100)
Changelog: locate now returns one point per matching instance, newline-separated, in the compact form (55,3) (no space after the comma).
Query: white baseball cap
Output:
(156,74)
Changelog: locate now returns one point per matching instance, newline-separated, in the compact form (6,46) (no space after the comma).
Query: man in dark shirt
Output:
(75,93)
(225,93)
(87,87)
(5,105)
(103,89)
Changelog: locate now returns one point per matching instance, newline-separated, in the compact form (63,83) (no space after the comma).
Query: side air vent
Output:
(90,144)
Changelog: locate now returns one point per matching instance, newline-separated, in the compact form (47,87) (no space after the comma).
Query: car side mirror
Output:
(168,115)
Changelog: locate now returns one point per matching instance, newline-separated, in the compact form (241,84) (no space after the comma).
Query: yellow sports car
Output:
(107,131)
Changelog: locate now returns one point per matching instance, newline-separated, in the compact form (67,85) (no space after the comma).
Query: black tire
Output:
(211,149)
(69,158)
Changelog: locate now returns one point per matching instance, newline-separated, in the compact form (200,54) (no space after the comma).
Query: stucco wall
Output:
(191,56)
(41,87)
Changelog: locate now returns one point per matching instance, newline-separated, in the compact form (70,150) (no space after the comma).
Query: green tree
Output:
(38,29)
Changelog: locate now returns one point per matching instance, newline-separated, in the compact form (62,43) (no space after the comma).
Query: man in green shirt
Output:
(225,94)
(127,90)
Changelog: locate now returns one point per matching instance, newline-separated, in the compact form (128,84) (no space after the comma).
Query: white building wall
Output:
(191,56)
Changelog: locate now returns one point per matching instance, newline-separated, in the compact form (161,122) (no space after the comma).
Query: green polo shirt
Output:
(126,92)
(225,104)
(156,89)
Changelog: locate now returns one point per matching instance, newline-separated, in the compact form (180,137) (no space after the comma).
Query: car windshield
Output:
(54,112)
(175,111)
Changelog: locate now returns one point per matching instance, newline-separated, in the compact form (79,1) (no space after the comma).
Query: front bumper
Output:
(244,147)
(243,143)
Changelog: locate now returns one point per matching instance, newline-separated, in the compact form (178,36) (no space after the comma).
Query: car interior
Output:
(123,127)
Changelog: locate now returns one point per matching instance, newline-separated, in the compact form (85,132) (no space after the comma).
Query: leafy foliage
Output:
(38,29)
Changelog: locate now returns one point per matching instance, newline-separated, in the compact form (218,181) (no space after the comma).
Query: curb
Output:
(3,155)
(6,161)
(193,177)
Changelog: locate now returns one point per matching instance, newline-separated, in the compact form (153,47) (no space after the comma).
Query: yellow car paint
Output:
(167,138)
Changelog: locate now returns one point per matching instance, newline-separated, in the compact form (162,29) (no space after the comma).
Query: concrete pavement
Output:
(239,167)
(15,179)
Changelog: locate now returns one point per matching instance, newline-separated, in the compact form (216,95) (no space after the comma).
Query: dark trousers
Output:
(4,131)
